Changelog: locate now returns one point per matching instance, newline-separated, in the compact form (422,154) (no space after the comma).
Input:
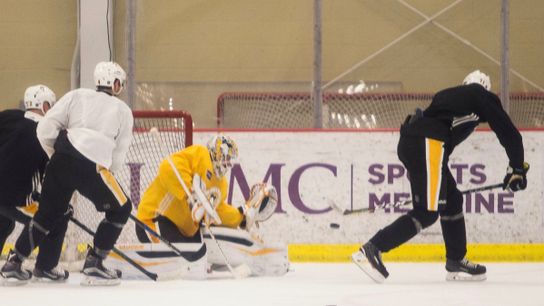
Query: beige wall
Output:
(37,40)
(192,50)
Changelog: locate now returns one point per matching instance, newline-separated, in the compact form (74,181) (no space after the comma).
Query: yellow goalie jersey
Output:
(166,197)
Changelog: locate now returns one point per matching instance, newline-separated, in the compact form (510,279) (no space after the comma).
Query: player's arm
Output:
(123,140)
(50,125)
(182,161)
(510,138)
(501,124)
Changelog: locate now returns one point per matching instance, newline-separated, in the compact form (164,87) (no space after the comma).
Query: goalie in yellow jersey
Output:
(177,217)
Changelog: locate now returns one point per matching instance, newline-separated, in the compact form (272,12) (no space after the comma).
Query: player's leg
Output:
(100,186)
(425,178)
(6,228)
(56,193)
(46,268)
(452,221)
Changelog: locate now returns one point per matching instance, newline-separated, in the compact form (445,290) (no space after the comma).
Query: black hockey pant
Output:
(413,154)
(65,174)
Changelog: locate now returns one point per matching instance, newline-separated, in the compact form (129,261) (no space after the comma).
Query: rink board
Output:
(358,169)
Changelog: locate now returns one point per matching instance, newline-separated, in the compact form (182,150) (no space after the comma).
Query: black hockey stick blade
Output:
(148,229)
(151,275)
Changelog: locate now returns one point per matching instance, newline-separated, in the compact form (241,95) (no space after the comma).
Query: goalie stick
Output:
(151,275)
(345,211)
(242,270)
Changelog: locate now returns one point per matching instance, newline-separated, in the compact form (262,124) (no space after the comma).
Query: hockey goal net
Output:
(274,110)
(142,161)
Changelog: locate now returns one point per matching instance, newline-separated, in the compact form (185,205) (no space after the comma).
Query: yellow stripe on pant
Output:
(434,150)
(112,184)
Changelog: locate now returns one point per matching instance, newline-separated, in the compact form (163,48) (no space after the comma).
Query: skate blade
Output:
(45,280)
(89,281)
(465,277)
(364,265)
(12,282)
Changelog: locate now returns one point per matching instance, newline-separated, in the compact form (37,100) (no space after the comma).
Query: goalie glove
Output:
(261,204)
(516,178)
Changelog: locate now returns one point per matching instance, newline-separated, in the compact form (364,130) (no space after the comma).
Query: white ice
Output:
(313,284)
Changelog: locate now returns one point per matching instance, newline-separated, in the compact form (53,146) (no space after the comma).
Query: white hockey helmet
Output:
(478,77)
(223,152)
(105,74)
(37,95)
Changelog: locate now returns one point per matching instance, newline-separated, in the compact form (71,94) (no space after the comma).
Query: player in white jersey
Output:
(87,136)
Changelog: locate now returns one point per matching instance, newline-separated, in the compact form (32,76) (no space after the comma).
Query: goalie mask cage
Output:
(142,162)
(277,110)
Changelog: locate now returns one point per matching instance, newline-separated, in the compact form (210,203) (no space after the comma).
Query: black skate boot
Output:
(369,259)
(12,273)
(464,270)
(95,272)
(55,275)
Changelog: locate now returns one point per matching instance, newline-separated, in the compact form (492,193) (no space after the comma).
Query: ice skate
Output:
(55,275)
(98,275)
(464,270)
(12,273)
(369,259)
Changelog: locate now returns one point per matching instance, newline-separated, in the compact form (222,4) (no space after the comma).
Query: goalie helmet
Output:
(478,77)
(37,95)
(105,74)
(223,152)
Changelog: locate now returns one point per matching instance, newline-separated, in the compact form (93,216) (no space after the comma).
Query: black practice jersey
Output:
(462,108)
(22,159)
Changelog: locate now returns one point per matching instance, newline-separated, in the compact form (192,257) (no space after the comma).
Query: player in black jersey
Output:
(427,139)
(22,166)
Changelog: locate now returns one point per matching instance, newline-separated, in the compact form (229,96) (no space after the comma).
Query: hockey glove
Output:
(261,204)
(516,178)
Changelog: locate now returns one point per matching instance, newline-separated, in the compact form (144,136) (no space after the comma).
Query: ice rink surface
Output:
(307,284)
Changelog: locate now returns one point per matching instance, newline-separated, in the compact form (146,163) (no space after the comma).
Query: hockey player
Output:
(22,162)
(87,136)
(427,139)
(167,209)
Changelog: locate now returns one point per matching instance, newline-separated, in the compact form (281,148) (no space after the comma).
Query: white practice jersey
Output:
(99,126)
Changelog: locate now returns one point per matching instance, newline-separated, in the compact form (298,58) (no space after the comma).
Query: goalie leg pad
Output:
(160,259)
(242,249)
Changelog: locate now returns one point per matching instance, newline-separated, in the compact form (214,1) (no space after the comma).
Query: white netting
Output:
(143,159)
(142,162)
(361,110)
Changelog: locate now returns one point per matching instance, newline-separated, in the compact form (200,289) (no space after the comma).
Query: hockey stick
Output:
(242,270)
(151,275)
(336,207)
(148,229)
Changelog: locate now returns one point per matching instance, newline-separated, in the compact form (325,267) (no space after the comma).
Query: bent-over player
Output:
(87,134)
(22,165)
(427,139)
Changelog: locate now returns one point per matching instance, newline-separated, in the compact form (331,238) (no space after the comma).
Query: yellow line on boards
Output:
(419,252)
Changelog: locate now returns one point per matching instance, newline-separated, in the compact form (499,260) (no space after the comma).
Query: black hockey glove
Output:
(516,178)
